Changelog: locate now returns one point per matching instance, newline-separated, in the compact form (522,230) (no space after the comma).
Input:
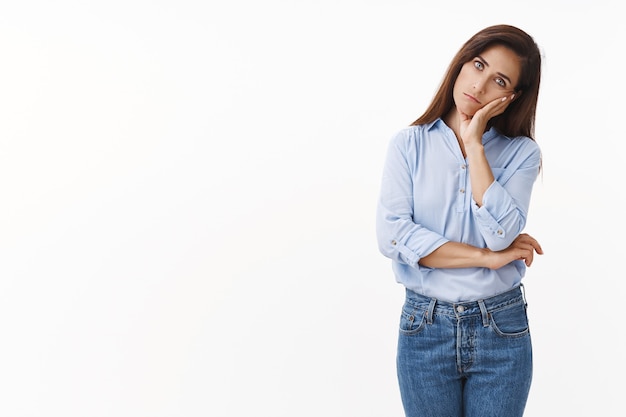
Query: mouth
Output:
(472,98)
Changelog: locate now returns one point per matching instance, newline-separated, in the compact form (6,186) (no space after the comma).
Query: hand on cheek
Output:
(496,107)
(473,127)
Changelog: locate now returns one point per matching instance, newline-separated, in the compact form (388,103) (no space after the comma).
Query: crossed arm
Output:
(461,255)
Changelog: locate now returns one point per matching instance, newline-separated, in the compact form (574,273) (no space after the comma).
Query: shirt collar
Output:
(487,136)
(431,125)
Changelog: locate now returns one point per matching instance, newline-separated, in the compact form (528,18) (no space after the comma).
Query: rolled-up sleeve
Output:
(400,238)
(502,217)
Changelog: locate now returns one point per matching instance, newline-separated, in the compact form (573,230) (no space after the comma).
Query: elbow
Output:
(500,241)
(499,245)
(386,246)
(497,240)
(503,235)
(389,247)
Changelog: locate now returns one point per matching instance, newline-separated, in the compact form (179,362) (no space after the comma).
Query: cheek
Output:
(465,74)
(459,84)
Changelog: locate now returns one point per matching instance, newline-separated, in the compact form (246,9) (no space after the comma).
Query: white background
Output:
(188,190)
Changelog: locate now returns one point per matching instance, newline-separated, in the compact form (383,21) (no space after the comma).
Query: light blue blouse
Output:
(426,201)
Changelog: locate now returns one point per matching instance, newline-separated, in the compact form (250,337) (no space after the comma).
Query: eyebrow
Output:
(499,73)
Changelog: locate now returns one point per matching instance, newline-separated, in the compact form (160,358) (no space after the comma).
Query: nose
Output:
(479,85)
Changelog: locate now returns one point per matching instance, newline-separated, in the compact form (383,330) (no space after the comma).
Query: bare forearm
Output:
(456,255)
(480,172)
(461,255)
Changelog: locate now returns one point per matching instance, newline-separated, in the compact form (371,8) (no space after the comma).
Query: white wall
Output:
(187,198)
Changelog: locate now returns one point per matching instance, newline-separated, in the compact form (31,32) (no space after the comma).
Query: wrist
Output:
(474,148)
(484,258)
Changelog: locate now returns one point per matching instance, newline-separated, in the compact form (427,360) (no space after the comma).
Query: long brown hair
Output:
(519,117)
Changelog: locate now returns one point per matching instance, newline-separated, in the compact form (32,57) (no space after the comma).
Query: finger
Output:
(537,247)
(528,259)
(526,242)
(528,262)
(527,239)
(499,105)
(532,249)
(533,244)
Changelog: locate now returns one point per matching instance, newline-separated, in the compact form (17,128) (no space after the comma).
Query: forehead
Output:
(503,60)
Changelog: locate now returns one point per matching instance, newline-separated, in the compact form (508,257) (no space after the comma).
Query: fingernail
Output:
(503,98)
(513,96)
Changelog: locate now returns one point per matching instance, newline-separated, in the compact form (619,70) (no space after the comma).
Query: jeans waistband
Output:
(466,308)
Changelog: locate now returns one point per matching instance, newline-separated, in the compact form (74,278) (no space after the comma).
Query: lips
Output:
(472,98)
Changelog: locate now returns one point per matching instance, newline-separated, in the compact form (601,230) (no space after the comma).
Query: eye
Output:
(501,82)
(479,65)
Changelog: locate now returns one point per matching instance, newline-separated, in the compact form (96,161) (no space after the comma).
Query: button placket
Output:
(460,205)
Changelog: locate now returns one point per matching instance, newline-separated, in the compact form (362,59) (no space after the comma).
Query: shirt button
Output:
(393,242)
(499,231)
(460,309)
(462,190)
(463,166)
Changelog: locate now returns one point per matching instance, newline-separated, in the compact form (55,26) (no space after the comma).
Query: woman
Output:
(454,198)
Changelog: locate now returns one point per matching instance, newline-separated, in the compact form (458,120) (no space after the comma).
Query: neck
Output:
(452,121)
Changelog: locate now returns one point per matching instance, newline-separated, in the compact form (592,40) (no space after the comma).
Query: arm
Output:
(500,204)
(399,237)
(460,255)
(471,130)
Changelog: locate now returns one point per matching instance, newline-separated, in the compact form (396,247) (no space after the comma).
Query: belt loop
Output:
(484,313)
(521,286)
(431,311)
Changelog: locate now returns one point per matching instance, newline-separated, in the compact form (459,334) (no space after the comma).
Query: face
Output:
(487,77)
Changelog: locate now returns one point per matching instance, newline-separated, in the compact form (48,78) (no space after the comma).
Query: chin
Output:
(469,112)
(465,109)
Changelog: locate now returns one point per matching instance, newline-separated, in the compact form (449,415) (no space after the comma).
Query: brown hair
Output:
(519,117)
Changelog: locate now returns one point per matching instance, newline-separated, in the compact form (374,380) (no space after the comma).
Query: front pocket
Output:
(412,319)
(511,321)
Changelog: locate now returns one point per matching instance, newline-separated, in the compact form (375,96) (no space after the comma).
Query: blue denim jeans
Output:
(469,359)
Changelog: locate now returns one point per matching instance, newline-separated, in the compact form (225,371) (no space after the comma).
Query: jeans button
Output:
(460,309)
